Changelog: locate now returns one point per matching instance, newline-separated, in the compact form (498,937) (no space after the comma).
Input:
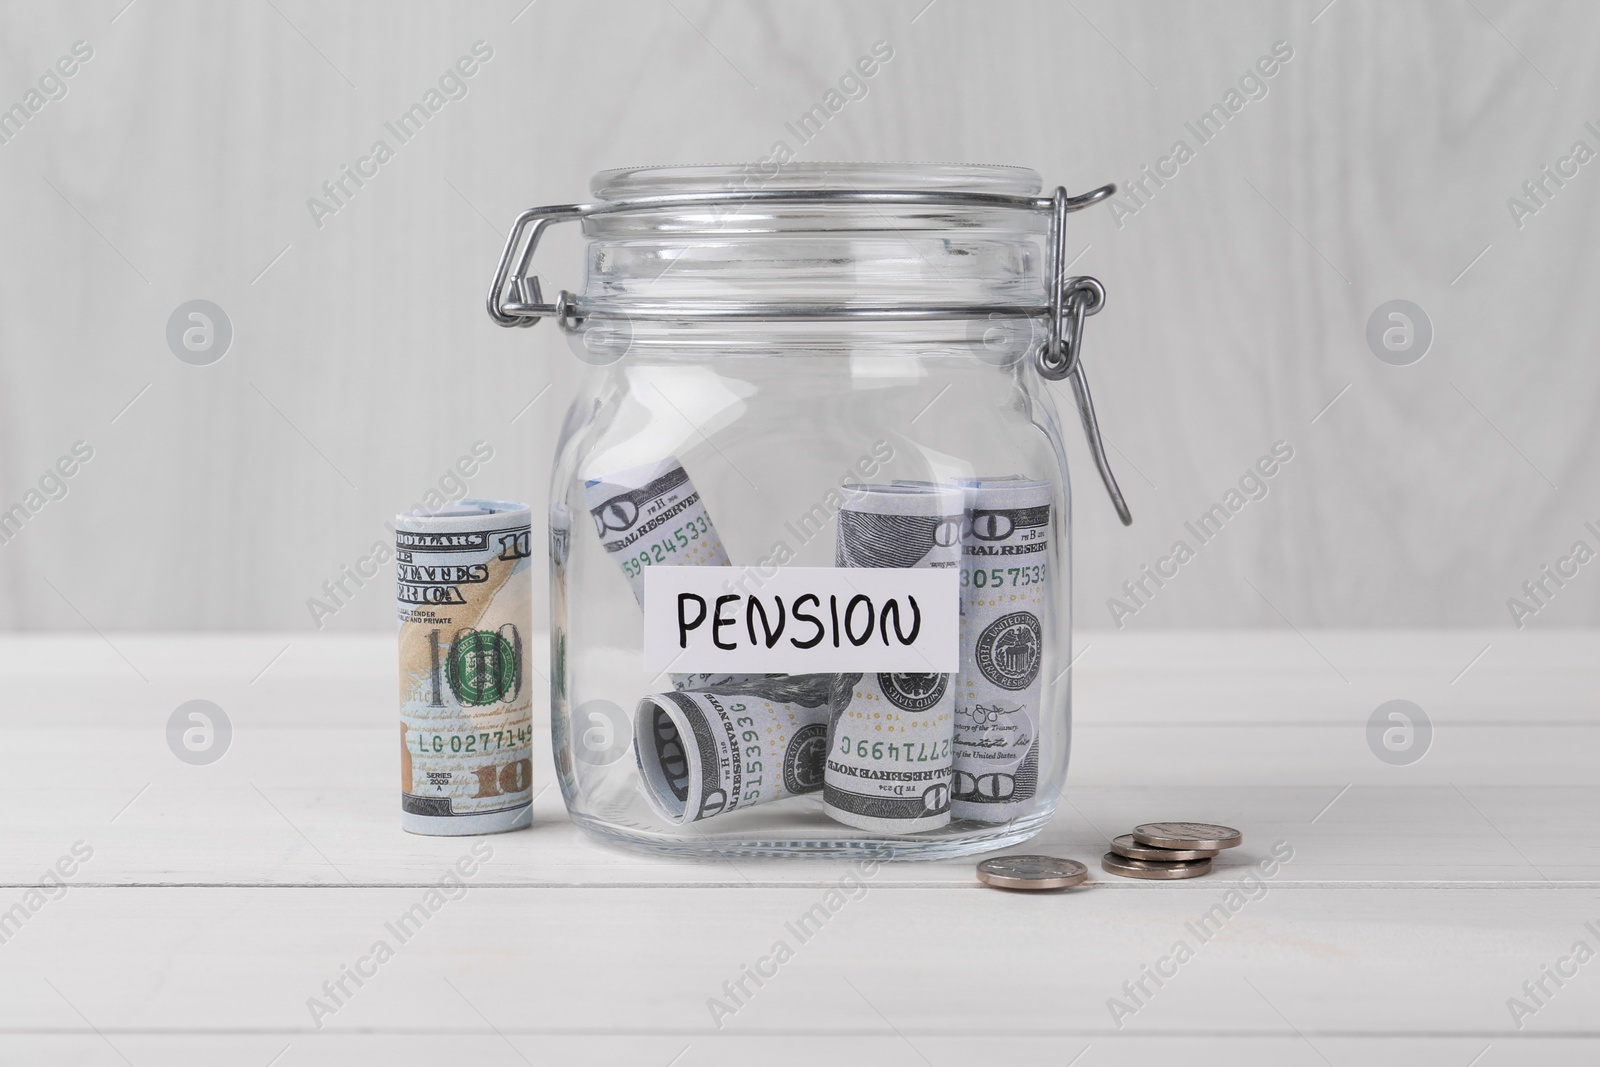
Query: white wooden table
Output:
(219,899)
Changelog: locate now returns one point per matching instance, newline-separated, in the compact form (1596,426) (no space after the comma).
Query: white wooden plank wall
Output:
(1377,166)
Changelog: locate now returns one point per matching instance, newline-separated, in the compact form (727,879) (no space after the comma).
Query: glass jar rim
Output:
(674,179)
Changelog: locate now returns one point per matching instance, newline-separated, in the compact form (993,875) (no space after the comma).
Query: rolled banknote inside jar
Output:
(705,754)
(1005,597)
(889,739)
(465,586)
(652,516)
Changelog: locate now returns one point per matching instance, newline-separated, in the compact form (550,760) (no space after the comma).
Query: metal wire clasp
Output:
(1060,357)
(1077,297)
(1072,299)
(515,298)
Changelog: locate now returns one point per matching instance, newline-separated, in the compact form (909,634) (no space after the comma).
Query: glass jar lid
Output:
(819,243)
(812,241)
(829,250)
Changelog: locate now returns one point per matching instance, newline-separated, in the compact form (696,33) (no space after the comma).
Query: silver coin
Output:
(1031,872)
(1127,868)
(1127,846)
(1201,835)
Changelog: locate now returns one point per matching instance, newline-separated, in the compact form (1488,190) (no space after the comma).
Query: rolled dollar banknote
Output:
(716,683)
(1005,597)
(704,754)
(466,605)
(889,738)
(652,516)
(754,683)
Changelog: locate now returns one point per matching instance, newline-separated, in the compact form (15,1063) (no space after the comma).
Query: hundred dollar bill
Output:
(466,605)
(1005,598)
(702,754)
(889,738)
(652,516)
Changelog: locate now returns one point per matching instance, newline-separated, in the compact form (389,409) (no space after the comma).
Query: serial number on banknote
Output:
(1001,577)
(918,752)
(669,545)
(753,767)
(484,741)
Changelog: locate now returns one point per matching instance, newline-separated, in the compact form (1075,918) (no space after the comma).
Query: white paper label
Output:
(802,620)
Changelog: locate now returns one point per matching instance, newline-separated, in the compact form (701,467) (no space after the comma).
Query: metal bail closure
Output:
(516,298)
(1061,355)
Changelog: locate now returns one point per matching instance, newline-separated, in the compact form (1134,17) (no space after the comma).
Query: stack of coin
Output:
(1168,850)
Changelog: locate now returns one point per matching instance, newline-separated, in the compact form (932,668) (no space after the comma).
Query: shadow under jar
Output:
(833,382)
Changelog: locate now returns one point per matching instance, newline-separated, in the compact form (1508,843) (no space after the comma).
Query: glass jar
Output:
(810,513)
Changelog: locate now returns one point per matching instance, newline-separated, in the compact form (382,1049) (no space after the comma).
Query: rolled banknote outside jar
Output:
(705,754)
(465,589)
(652,516)
(1005,593)
(889,740)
